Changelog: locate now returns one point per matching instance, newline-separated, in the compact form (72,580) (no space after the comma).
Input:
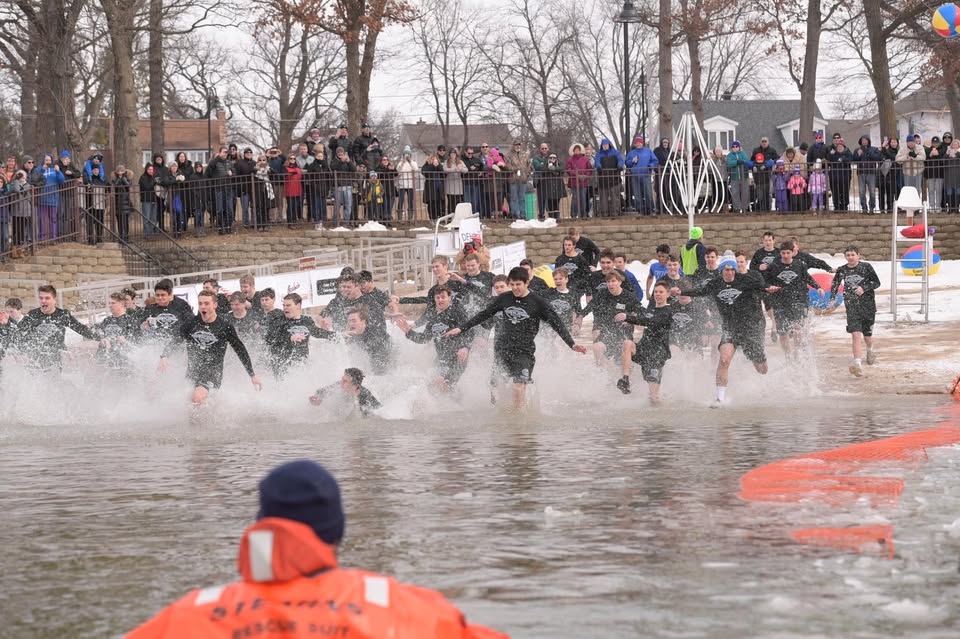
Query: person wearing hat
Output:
(738,169)
(537,164)
(641,164)
(933,172)
(738,299)
(361,146)
(518,167)
(764,158)
(245,167)
(911,158)
(608,163)
(889,178)
(867,159)
(693,254)
(839,176)
(290,578)
(817,188)
(407,171)
(818,150)
(340,140)
(313,138)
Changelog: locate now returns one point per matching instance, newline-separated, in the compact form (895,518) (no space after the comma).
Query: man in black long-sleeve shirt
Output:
(40,335)
(288,337)
(859,282)
(586,246)
(514,347)
(452,352)
(787,282)
(206,337)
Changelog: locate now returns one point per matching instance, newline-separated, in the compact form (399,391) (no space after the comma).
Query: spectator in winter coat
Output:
(933,171)
(293,190)
(797,186)
(578,171)
(838,174)
(738,168)
(819,150)
(817,187)
(552,188)
(432,171)
(951,176)
(184,165)
(911,158)
(222,170)
(198,198)
(245,167)
(163,177)
(407,183)
(890,177)
(867,159)
(388,175)
(344,175)
(779,181)
(362,145)
(641,163)
(148,199)
(453,170)
(537,164)
(121,181)
(669,192)
(608,164)
(49,201)
(96,192)
(518,165)
(764,157)
(339,141)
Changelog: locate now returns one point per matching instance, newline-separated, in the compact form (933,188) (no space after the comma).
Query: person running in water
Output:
(787,281)
(737,300)
(41,334)
(351,389)
(288,337)
(514,348)
(163,319)
(565,300)
(477,285)
(762,259)
(658,268)
(117,332)
(859,282)
(452,353)
(653,350)
(611,335)
(573,262)
(206,337)
(292,586)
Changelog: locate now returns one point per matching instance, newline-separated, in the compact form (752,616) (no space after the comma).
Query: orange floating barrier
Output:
(842,476)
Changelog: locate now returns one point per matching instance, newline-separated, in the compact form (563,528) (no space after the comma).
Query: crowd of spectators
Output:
(341,180)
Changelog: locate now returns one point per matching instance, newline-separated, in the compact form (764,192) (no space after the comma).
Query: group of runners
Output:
(698,301)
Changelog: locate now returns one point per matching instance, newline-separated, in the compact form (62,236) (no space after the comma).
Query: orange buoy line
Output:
(836,477)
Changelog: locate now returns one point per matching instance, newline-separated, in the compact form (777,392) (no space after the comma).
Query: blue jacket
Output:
(641,161)
(88,166)
(50,194)
(868,157)
(636,284)
(604,159)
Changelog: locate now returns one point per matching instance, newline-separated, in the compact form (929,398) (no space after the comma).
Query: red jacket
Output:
(579,171)
(293,586)
(294,184)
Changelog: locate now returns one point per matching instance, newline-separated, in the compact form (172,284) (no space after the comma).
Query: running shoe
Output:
(856,371)
(717,403)
(624,385)
(871,358)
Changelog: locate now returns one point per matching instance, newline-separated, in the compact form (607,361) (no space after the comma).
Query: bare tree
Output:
(730,66)
(292,76)
(454,72)
(121,24)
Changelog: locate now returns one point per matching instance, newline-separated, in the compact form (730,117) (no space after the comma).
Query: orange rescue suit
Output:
(292,587)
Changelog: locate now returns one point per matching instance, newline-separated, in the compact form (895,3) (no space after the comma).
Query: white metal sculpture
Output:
(685,183)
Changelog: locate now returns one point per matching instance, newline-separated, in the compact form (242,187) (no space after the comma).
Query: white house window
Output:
(720,138)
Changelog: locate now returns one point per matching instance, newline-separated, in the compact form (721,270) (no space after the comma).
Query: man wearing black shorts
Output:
(738,298)
(653,349)
(514,347)
(206,337)
(610,335)
(787,282)
(859,283)
(452,352)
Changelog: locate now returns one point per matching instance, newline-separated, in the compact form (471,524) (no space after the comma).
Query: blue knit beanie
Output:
(304,491)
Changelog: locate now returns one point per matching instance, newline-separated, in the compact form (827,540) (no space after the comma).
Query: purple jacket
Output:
(579,171)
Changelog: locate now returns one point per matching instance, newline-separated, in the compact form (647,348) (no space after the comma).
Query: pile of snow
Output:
(421,228)
(372,226)
(548,223)
(341,229)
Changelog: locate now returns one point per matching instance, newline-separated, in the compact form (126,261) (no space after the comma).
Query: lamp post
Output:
(213,101)
(628,15)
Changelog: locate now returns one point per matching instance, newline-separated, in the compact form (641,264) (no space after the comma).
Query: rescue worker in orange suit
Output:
(293,587)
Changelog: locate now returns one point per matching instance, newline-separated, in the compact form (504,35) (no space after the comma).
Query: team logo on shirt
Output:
(729,295)
(768,260)
(46,330)
(561,306)
(439,329)
(298,330)
(681,319)
(204,339)
(515,314)
(853,281)
(787,276)
(166,320)
(112,330)
(476,283)
(569,267)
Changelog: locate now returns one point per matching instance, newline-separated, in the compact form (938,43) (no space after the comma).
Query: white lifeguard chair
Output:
(910,201)
(462,222)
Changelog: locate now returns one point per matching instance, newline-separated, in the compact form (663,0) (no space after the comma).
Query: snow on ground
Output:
(548,223)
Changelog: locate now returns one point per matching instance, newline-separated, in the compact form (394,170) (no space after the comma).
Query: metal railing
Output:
(390,260)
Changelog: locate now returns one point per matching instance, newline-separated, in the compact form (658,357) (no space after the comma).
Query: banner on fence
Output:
(316,286)
(506,256)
